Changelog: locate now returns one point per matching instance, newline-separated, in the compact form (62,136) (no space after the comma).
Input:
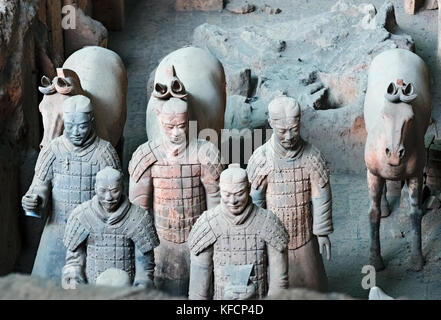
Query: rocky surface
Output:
(202,5)
(321,60)
(19,126)
(19,287)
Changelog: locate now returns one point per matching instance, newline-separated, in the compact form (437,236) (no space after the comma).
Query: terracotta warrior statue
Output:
(65,174)
(290,177)
(109,232)
(177,178)
(244,244)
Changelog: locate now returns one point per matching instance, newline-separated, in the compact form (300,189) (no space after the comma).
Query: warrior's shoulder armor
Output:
(77,227)
(317,163)
(204,232)
(142,159)
(44,162)
(258,167)
(142,230)
(107,154)
(272,229)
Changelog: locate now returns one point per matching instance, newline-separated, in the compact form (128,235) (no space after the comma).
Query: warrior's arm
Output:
(141,192)
(145,266)
(257,172)
(278,269)
(211,168)
(41,183)
(75,264)
(41,188)
(322,209)
(201,275)
(258,194)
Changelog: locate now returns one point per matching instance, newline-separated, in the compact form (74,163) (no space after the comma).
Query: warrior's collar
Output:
(237,219)
(114,217)
(87,147)
(182,152)
(282,152)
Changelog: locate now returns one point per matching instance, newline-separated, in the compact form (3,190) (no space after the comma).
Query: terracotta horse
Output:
(97,73)
(397,113)
(196,75)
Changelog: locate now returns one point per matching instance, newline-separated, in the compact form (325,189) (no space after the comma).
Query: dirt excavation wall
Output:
(33,43)
(24,287)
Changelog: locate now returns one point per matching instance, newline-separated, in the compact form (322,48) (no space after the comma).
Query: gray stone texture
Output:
(324,66)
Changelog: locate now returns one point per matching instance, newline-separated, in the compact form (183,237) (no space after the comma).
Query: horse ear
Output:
(63,86)
(45,81)
(392,89)
(161,91)
(178,89)
(392,94)
(46,87)
(408,93)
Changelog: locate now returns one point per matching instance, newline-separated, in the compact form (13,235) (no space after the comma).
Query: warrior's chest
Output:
(74,172)
(288,177)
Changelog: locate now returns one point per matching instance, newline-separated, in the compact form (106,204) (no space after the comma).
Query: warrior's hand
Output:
(240,293)
(145,284)
(30,202)
(325,245)
(71,278)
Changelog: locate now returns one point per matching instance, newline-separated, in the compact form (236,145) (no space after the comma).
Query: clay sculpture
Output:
(243,244)
(290,177)
(65,175)
(177,178)
(109,232)
(397,112)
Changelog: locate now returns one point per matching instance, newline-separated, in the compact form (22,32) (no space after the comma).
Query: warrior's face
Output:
(175,127)
(235,196)
(78,127)
(109,191)
(287,131)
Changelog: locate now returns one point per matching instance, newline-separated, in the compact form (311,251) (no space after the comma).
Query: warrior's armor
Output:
(124,241)
(255,241)
(297,189)
(289,183)
(68,174)
(177,188)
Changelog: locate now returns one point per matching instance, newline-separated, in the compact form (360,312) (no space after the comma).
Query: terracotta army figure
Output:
(65,172)
(178,178)
(245,245)
(109,232)
(290,177)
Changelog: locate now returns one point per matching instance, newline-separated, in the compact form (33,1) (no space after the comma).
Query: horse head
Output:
(63,86)
(398,118)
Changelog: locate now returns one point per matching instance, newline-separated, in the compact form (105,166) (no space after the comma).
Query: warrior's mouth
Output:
(109,204)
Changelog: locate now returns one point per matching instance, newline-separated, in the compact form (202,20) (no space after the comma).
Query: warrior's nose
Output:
(394,157)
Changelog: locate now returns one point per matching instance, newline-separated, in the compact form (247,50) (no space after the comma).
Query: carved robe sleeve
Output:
(278,270)
(41,183)
(75,264)
(321,197)
(211,168)
(201,275)
(74,239)
(145,266)
(257,171)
